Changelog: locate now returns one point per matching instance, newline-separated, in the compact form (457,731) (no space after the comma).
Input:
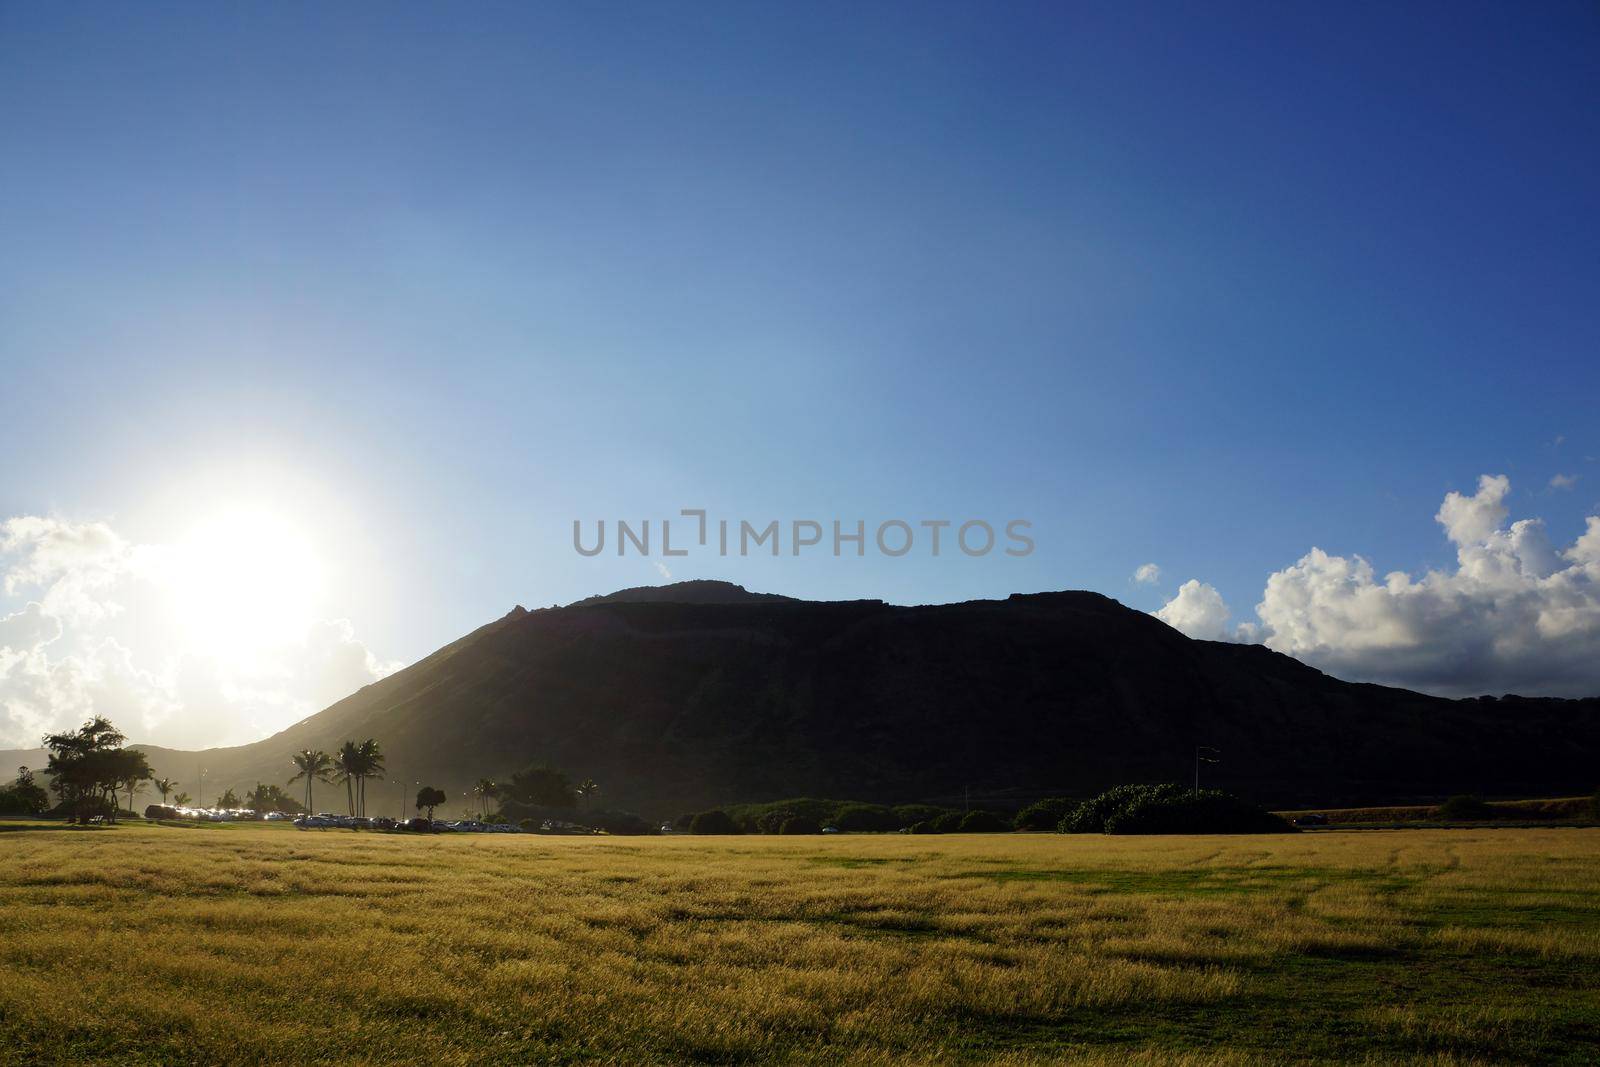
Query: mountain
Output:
(683,696)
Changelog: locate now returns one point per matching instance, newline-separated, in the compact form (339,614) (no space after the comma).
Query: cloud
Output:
(1516,614)
(1147,574)
(72,565)
(1563,481)
(1197,611)
(1473,518)
(62,658)
(661,569)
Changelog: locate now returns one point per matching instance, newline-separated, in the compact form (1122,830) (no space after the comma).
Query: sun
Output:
(247,580)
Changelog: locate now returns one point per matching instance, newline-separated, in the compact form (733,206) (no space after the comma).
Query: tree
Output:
(23,796)
(347,769)
(134,783)
(715,821)
(369,764)
(483,791)
(430,798)
(88,766)
(587,790)
(228,799)
(314,765)
(540,786)
(181,799)
(164,786)
(266,797)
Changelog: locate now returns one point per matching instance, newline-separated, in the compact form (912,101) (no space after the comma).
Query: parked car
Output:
(1313,819)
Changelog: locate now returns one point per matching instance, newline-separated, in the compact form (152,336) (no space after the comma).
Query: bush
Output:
(714,821)
(1465,809)
(620,822)
(800,824)
(911,814)
(948,823)
(1045,814)
(925,827)
(865,818)
(1090,816)
(984,822)
(1170,809)
(530,825)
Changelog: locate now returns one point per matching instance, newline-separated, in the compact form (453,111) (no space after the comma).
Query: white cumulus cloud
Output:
(1147,574)
(1197,611)
(1516,614)
(67,654)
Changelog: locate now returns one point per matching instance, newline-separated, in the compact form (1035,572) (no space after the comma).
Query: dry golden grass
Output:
(263,944)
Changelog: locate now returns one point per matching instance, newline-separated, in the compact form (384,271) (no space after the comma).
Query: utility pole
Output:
(1204,754)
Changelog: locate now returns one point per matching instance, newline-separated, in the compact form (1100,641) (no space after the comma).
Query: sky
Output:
(320,325)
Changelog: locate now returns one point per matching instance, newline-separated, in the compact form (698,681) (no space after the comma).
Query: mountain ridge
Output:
(676,697)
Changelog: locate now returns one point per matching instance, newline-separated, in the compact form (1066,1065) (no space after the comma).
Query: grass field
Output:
(146,944)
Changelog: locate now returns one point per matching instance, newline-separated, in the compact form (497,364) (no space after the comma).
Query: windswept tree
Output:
(430,798)
(181,799)
(587,790)
(89,765)
(164,786)
(314,766)
(484,790)
(228,800)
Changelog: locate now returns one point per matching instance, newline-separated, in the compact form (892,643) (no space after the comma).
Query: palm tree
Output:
(181,799)
(346,769)
(483,791)
(164,786)
(314,765)
(133,784)
(228,800)
(371,763)
(587,790)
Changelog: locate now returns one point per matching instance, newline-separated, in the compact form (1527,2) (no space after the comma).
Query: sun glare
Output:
(246,580)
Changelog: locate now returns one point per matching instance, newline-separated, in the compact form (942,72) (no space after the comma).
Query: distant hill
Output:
(683,696)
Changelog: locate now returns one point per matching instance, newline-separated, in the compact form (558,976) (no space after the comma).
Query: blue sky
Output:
(1201,287)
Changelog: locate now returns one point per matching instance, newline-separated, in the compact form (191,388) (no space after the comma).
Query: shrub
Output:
(1170,809)
(800,824)
(1044,814)
(984,822)
(530,825)
(947,823)
(926,826)
(715,821)
(620,822)
(1465,809)
(911,814)
(1090,816)
(866,818)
